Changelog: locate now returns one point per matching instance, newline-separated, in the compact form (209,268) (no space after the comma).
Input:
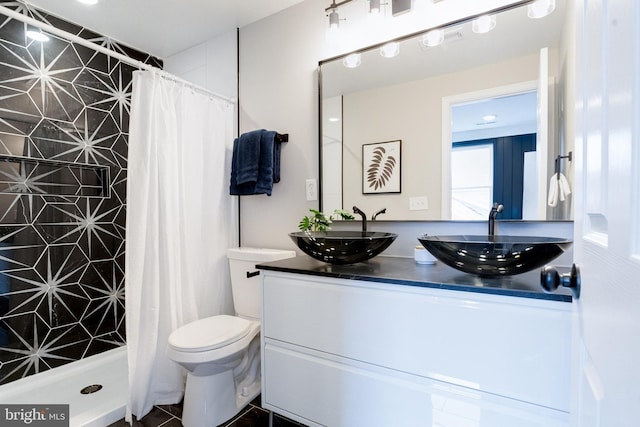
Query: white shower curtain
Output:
(180,222)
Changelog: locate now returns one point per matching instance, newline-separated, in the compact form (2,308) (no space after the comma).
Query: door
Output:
(607,218)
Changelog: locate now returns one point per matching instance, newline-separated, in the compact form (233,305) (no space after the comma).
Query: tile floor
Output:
(251,416)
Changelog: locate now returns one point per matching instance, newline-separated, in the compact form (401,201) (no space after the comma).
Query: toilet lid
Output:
(209,333)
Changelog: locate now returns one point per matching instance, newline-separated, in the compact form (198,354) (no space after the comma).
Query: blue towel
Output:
(255,165)
(248,157)
(264,185)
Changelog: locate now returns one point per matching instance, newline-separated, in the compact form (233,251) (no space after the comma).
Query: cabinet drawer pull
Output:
(251,274)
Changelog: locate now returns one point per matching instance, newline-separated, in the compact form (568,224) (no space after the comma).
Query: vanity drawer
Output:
(324,390)
(513,347)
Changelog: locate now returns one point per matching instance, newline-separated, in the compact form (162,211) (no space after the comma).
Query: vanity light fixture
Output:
(376,12)
(334,20)
(37,35)
(374,7)
(540,8)
(332,13)
(433,38)
(398,7)
(352,61)
(483,24)
(334,24)
(390,49)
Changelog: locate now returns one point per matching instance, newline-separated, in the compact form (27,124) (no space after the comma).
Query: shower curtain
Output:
(180,222)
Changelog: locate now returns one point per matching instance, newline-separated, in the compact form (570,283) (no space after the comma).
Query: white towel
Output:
(559,189)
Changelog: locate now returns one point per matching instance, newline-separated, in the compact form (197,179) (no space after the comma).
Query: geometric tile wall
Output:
(65,107)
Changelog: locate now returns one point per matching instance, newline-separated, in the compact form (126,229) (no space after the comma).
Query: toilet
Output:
(222,353)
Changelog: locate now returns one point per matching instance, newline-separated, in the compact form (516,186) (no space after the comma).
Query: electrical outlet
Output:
(311,189)
(418,203)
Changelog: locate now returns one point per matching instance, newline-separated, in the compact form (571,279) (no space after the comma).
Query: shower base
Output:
(63,385)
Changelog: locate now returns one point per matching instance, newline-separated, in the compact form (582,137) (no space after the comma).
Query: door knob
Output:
(550,280)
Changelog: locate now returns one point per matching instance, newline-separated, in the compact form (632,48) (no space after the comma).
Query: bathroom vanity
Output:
(391,342)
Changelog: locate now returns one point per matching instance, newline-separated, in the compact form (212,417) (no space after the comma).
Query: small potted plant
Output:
(322,222)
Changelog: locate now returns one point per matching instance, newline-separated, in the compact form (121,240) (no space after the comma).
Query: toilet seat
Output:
(209,333)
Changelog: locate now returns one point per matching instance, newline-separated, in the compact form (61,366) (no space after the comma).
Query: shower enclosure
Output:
(64,119)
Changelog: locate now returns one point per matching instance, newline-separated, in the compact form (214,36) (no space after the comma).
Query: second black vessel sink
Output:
(495,255)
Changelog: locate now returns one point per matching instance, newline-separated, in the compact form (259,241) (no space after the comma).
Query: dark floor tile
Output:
(175,410)
(169,416)
(257,401)
(155,418)
(253,417)
(173,422)
(123,423)
(279,421)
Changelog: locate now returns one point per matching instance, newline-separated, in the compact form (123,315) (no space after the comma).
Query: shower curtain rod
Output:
(124,58)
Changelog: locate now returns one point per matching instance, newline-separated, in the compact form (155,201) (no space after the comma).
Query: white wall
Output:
(211,65)
(279,90)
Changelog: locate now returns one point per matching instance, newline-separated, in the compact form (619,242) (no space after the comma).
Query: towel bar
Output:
(557,162)
(282,137)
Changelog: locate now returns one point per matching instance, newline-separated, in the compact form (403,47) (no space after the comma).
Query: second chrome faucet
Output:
(495,210)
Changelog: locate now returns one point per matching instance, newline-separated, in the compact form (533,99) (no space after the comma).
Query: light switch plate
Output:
(418,203)
(311,189)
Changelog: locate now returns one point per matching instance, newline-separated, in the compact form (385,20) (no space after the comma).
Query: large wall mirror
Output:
(442,130)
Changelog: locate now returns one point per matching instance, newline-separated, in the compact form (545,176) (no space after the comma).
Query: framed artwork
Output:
(381,167)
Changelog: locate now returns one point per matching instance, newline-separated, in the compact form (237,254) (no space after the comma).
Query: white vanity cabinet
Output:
(341,352)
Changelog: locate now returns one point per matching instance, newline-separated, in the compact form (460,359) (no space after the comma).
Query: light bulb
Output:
(390,50)
(334,20)
(332,35)
(433,38)
(352,61)
(374,7)
(540,8)
(483,24)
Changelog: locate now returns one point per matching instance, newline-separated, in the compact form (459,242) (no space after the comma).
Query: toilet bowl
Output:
(221,354)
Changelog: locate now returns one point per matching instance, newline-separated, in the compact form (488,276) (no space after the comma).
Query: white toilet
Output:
(222,353)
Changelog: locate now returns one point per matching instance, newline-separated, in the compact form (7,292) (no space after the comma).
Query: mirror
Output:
(502,90)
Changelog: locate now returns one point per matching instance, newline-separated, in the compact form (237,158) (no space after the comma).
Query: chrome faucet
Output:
(495,210)
(364,218)
(380,212)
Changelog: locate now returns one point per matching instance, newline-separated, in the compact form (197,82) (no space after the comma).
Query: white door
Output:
(607,215)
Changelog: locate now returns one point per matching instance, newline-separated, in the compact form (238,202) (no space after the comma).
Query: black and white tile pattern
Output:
(65,108)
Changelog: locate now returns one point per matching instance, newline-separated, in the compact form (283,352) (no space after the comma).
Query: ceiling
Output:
(163,27)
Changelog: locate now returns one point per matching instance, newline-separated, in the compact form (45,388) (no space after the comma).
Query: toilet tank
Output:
(246,282)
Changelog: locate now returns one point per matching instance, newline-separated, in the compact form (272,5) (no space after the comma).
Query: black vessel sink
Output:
(495,255)
(342,247)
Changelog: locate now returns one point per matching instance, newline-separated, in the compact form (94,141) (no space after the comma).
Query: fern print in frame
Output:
(381,167)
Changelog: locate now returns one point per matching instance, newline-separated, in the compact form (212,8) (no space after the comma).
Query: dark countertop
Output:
(405,271)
